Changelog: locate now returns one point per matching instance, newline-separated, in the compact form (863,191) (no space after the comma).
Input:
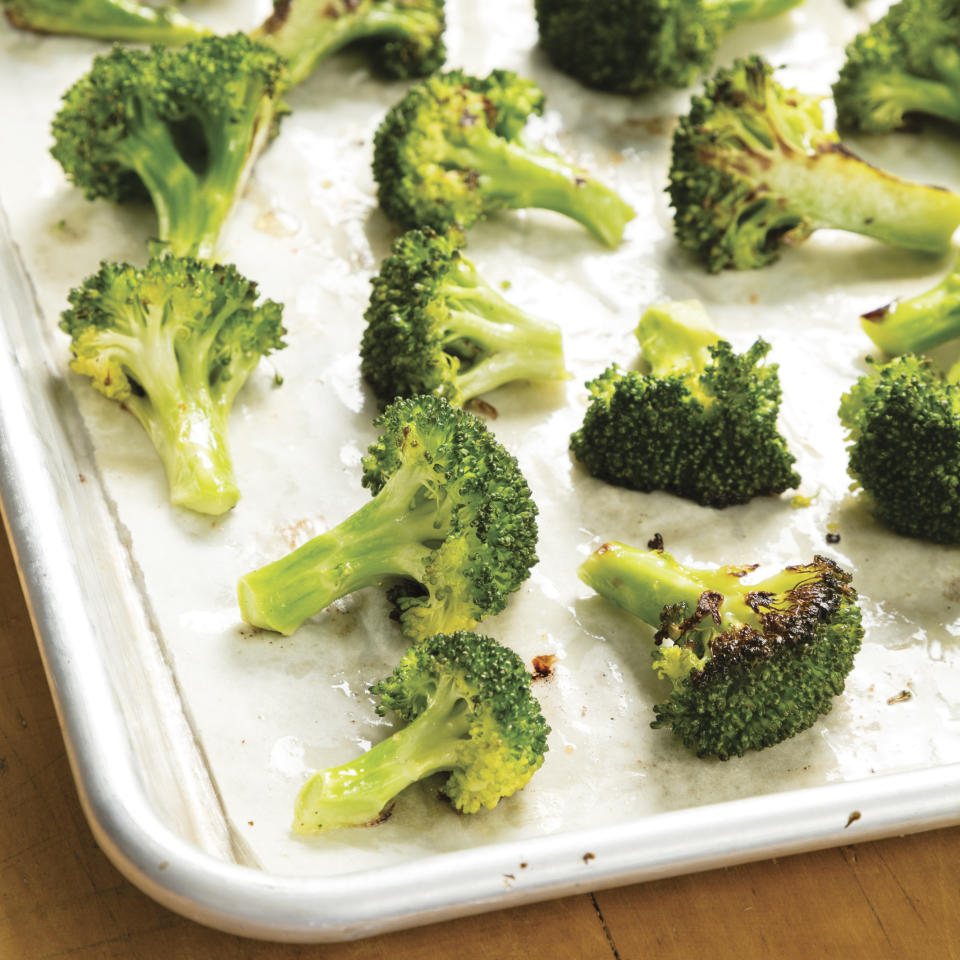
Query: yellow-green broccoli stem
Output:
(675,340)
(745,10)
(876,101)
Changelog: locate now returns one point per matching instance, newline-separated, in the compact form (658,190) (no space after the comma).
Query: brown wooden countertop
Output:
(61,898)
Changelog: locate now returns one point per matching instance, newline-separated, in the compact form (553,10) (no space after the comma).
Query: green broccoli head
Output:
(174,342)
(405,37)
(451,517)
(434,326)
(630,46)
(702,424)
(753,169)
(750,664)
(903,420)
(906,63)
(469,712)
(451,152)
(180,126)
(124,20)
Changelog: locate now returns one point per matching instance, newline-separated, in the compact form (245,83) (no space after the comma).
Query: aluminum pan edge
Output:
(44,518)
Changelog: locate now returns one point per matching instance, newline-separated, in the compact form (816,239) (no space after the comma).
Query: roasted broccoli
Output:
(753,168)
(181,127)
(434,326)
(174,343)
(452,151)
(634,45)
(908,62)
(406,36)
(701,424)
(469,712)
(750,664)
(903,420)
(451,516)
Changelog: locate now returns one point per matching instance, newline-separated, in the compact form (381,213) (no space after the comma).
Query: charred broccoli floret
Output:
(753,168)
(174,343)
(451,515)
(751,664)
(452,151)
(469,712)
(701,424)
(434,326)
(633,45)
(903,420)
(405,36)
(181,127)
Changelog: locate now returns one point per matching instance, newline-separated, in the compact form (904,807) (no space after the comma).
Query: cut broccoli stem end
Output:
(919,324)
(356,793)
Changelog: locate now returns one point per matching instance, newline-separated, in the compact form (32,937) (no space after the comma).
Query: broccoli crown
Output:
(180,126)
(174,342)
(104,19)
(405,37)
(753,168)
(751,665)
(451,152)
(451,516)
(702,424)
(468,710)
(903,420)
(434,326)
(908,62)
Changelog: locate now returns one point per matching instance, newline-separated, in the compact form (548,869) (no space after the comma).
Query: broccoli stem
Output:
(356,792)
(911,94)
(742,10)
(386,537)
(675,339)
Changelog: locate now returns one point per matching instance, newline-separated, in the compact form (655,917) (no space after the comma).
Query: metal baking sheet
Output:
(190,733)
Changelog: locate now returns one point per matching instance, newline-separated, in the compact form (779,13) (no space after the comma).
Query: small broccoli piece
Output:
(182,127)
(104,20)
(753,169)
(405,36)
(906,63)
(469,711)
(903,420)
(434,326)
(750,664)
(451,515)
(451,152)
(702,424)
(174,343)
(629,46)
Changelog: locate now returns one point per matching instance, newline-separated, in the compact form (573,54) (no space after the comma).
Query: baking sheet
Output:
(265,710)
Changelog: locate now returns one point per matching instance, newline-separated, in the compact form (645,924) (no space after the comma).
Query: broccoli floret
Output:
(751,665)
(182,127)
(452,151)
(174,342)
(702,424)
(634,45)
(451,515)
(469,711)
(104,20)
(434,326)
(405,36)
(903,420)
(908,62)
(753,168)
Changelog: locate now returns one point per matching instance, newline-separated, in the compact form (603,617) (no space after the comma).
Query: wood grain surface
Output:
(61,898)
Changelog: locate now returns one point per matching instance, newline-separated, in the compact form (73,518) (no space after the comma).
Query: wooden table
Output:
(60,897)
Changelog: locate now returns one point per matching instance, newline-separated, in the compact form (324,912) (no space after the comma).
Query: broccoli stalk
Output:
(450,152)
(753,168)
(174,343)
(408,33)
(104,20)
(183,126)
(435,326)
(451,516)
(750,665)
(467,704)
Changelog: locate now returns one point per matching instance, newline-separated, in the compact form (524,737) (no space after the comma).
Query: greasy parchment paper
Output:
(266,710)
